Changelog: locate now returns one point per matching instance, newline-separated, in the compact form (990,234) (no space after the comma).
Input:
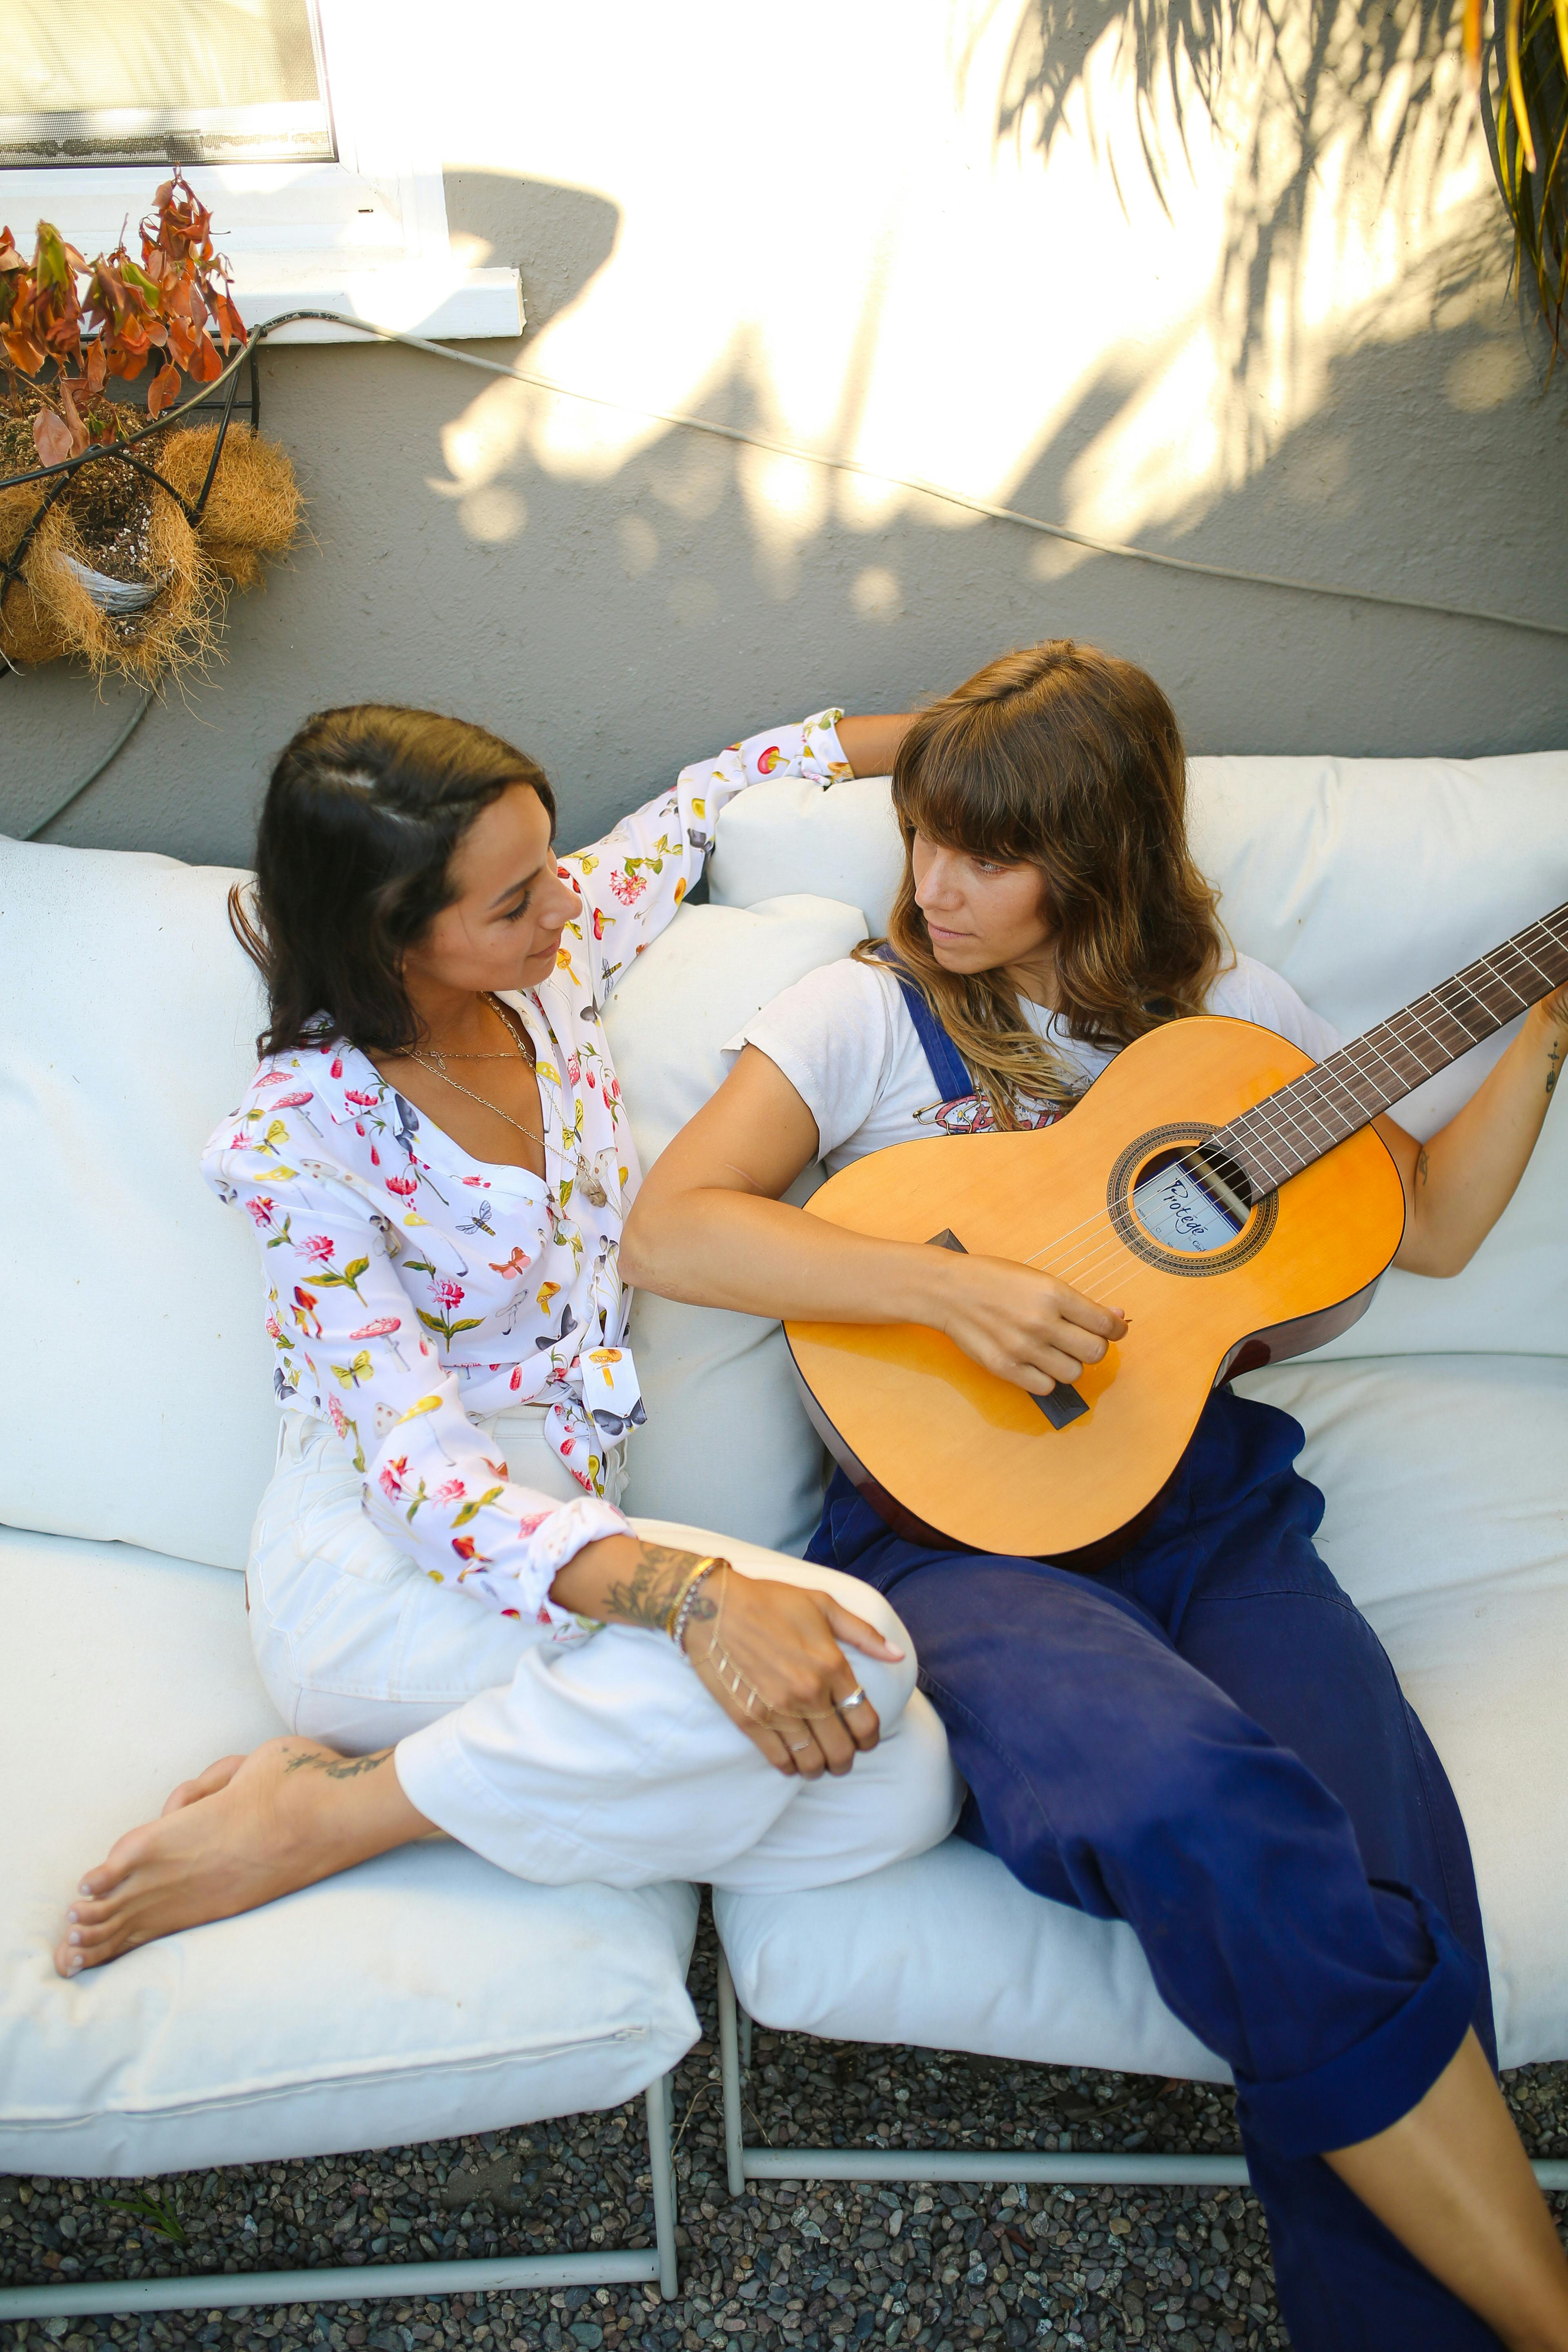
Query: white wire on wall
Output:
(855,465)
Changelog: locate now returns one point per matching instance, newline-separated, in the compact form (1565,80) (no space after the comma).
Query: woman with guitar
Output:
(1197,1733)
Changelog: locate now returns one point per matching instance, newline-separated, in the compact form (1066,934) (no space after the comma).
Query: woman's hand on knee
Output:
(772,1656)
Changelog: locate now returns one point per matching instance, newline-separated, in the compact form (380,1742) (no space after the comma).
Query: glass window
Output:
(93,82)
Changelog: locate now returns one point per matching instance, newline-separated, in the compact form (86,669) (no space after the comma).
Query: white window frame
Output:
(367,235)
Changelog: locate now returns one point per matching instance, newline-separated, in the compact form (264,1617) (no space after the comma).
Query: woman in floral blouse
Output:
(437,1162)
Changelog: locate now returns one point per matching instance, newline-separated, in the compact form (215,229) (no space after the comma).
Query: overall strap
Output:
(948,1068)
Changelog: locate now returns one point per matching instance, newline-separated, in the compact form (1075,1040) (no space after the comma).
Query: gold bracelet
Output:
(680,1608)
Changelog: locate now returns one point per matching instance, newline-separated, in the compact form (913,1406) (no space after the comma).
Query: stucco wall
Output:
(930,236)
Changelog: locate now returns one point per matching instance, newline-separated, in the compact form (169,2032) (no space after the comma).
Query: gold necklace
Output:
(437,1069)
(440,1055)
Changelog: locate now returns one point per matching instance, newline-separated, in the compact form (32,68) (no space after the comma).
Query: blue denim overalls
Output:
(1204,1738)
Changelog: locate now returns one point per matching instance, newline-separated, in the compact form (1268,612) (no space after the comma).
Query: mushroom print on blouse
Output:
(411,1290)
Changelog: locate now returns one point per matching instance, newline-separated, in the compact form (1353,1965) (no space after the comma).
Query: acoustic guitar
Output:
(1228,1193)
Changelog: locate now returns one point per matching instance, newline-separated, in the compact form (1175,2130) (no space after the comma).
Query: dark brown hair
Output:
(353,860)
(1070,760)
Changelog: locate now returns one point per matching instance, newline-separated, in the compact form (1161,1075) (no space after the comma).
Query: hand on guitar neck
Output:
(1457,1185)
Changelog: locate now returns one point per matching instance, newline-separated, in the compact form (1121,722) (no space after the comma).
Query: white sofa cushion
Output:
(1363,881)
(134,1377)
(131,1019)
(727,1442)
(424,1994)
(1445,1520)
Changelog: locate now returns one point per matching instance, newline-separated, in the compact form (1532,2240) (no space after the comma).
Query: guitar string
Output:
(1093,1259)
(1249,1121)
(1269,1111)
(1278,1121)
(1084,1265)
(1412,1012)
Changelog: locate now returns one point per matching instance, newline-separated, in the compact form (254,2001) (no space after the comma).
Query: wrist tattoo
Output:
(649,1593)
(1423,1165)
(337,1767)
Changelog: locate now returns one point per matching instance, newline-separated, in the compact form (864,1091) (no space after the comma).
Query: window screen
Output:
(179,81)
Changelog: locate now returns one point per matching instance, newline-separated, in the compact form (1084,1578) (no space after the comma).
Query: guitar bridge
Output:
(1064,1404)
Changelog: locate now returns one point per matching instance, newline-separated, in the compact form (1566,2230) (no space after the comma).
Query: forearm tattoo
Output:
(650,1593)
(336,1767)
(1555,1070)
(1423,1165)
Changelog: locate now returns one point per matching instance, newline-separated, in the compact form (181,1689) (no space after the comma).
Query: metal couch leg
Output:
(995,2165)
(661,2173)
(377,2282)
(735,2151)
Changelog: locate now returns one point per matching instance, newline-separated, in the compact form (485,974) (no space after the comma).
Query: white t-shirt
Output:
(843,1039)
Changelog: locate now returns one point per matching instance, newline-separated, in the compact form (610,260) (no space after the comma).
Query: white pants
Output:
(606,1760)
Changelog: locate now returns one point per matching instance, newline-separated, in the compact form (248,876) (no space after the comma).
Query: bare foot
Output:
(252,1828)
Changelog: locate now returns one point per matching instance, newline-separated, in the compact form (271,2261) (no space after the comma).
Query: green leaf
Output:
(471,1509)
(152,2213)
(465,1323)
(354,1268)
(431,1322)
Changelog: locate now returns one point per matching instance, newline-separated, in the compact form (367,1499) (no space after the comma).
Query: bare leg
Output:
(1452,2182)
(251,1829)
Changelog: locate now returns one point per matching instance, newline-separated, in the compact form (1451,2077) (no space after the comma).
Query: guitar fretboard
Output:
(1285,1133)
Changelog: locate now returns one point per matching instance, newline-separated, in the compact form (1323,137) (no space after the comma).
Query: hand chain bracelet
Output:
(680,1616)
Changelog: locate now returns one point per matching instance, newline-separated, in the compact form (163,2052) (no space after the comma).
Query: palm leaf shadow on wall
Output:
(1382,92)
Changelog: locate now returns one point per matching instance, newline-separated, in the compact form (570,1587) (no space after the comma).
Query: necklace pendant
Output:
(588,1184)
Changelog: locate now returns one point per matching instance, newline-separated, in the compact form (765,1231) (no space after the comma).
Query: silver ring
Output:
(801,1750)
(855,1699)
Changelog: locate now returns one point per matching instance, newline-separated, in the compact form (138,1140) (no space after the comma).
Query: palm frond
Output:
(1531,150)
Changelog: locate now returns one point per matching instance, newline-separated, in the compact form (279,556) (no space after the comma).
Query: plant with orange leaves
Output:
(121,534)
(174,303)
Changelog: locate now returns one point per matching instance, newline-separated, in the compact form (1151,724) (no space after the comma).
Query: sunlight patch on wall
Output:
(1027,317)
(875,594)
(493,514)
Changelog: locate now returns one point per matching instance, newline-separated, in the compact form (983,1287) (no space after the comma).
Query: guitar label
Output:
(1178,1210)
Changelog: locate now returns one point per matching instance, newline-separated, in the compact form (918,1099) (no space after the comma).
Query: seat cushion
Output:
(423,1994)
(1446,1521)
(1363,881)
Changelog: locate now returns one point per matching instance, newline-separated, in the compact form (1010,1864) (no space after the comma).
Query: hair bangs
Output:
(974,797)
(1068,759)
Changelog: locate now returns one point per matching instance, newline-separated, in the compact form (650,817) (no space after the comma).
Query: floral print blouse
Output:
(412,1291)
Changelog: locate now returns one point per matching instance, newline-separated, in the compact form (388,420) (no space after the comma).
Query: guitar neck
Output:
(1290,1130)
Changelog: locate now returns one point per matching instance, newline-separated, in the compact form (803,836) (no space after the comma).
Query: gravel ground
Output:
(830,2266)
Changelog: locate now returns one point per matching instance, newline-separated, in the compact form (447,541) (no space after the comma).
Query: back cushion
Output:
(135,1377)
(1363,881)
(133,1369)
(727,1444)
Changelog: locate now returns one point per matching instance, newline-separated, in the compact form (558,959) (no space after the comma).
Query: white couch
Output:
(426,1994)
(1437,1428)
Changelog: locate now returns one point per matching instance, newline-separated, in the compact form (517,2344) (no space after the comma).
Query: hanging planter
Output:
(120,535)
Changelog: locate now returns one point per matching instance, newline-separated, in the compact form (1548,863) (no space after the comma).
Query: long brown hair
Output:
(1070,760)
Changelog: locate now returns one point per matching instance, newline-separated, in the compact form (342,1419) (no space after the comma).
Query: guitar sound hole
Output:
(1188,1204)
